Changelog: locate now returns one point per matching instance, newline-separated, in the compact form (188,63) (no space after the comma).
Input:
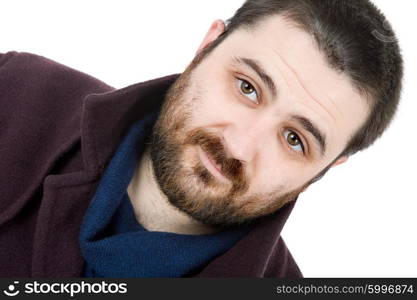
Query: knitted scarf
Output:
(114,244)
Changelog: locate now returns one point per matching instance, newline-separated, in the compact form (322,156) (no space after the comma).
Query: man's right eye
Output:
(248,90)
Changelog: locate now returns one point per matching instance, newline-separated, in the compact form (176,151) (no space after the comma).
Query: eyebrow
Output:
(310,127)
(255,66)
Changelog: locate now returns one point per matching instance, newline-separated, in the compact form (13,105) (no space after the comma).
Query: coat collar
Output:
(107,116)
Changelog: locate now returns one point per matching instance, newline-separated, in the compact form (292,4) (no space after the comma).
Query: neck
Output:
(152,208)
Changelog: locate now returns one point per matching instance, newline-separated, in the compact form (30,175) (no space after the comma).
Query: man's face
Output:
(244,130)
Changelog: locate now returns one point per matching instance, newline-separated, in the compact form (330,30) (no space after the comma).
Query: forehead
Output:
(304,79)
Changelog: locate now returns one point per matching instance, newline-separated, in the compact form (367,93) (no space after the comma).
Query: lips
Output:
(211,166)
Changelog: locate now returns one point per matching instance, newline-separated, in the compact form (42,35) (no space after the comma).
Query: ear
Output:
(215,30)
(338,161)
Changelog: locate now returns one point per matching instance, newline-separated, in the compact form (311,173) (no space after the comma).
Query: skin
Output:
(227,99)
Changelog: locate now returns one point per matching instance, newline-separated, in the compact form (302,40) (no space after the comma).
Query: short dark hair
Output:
(356,39)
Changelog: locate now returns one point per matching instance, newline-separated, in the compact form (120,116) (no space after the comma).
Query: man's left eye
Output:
(248,90)
(294,140)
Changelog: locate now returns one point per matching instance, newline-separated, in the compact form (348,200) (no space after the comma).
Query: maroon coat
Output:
(59,129)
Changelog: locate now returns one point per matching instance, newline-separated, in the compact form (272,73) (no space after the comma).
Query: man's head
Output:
(287,90)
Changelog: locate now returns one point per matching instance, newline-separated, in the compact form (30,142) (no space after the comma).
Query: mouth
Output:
(211,166)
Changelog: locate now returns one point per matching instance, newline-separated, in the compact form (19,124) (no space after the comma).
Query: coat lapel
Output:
(105,119)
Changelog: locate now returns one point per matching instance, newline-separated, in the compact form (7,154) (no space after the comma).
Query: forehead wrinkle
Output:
(299,81)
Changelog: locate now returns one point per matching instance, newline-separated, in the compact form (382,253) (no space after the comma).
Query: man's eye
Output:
(293,140)
(248,90)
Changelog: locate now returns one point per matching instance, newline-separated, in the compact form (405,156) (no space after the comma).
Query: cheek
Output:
(276,172)
(211,108)
(215,97)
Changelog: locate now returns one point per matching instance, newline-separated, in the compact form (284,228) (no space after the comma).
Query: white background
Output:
(359,221)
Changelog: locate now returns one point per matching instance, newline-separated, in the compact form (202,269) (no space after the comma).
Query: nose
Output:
(244,142)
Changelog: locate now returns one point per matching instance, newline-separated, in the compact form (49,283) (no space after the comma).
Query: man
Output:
(190,175)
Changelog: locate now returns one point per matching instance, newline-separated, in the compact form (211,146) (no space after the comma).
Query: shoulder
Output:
(33,87)
(19,67)
(40,117)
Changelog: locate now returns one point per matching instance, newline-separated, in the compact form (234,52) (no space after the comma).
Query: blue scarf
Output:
(114,244)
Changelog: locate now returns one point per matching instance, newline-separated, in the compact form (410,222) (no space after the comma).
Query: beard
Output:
(186,182)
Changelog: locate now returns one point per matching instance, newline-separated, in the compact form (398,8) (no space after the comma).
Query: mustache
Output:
(212,144)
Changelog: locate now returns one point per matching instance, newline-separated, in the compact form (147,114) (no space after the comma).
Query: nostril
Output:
(243,162)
